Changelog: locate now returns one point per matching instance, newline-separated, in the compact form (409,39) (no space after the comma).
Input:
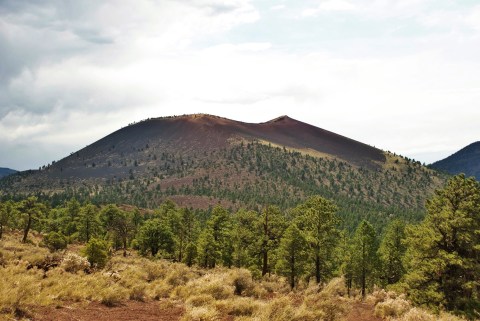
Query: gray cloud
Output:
(74,71)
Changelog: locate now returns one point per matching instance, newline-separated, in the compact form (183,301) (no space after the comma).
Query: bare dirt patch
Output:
(362,312)
(128,310)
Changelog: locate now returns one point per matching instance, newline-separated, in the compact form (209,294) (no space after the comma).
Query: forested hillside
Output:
(202,161)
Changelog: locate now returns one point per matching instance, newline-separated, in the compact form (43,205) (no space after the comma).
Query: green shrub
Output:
(55,241)
(96,252)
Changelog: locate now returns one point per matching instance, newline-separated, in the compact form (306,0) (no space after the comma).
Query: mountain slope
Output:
(6,171)
(466,160)
(201,160)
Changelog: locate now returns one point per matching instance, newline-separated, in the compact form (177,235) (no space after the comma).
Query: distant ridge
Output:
(6,171)
(466,160)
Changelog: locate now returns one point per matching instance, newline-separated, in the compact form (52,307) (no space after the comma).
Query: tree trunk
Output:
(265,262)
(27,228)
(349,286)
(124,247)
(88,230)
(292,272)
(317,267)
(180,252)
(363,282)
(1,231)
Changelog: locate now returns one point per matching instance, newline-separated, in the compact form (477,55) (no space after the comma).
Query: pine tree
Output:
(155,236)
(7,213)
(208,250)
(443,251)
(118,223)
(364,253)
(31,212)
(318,220)
(271,225)
(391,252)
(245,253)
(72,211)
(292,254)
(345,258)
(186,233)
(215,243)
(88,222)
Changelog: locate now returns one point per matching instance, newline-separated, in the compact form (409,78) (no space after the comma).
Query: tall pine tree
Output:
(443,256)
(364,253)
(391,252)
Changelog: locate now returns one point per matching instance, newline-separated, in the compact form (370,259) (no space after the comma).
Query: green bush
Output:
(55,241)
(96,252)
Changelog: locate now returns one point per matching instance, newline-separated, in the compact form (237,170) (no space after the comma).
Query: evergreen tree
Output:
(391,252)
(31,212)
(215,243)
(118,223)
(186,233)
(245,253)
(345,258)
(292,254)
(208,250)
(443,251)
(7,213)
(155,236)
(318,220)
(271,225)
(72,211)
(364,253)
(88,222)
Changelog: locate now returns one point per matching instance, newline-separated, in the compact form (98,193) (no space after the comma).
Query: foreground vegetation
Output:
(435,263)
(32,277)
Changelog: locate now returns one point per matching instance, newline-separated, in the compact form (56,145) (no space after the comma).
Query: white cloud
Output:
(72,79)
(473,18)
(329,5)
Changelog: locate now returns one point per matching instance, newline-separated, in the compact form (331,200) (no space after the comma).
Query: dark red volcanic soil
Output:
(128,311)
(205,132)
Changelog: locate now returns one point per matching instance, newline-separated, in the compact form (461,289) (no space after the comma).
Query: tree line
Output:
(436,262)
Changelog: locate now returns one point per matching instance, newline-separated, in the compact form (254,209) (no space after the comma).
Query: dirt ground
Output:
(129,310)
(362,312)
(150,311)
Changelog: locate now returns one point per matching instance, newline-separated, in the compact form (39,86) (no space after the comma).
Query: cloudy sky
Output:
(402,75)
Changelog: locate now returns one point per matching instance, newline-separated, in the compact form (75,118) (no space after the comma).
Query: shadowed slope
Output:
(466,160)
(6,171)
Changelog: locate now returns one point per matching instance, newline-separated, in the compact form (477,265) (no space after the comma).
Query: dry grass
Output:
(393,307)
(206,295)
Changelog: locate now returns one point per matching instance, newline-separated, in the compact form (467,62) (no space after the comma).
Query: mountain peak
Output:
(279,119)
